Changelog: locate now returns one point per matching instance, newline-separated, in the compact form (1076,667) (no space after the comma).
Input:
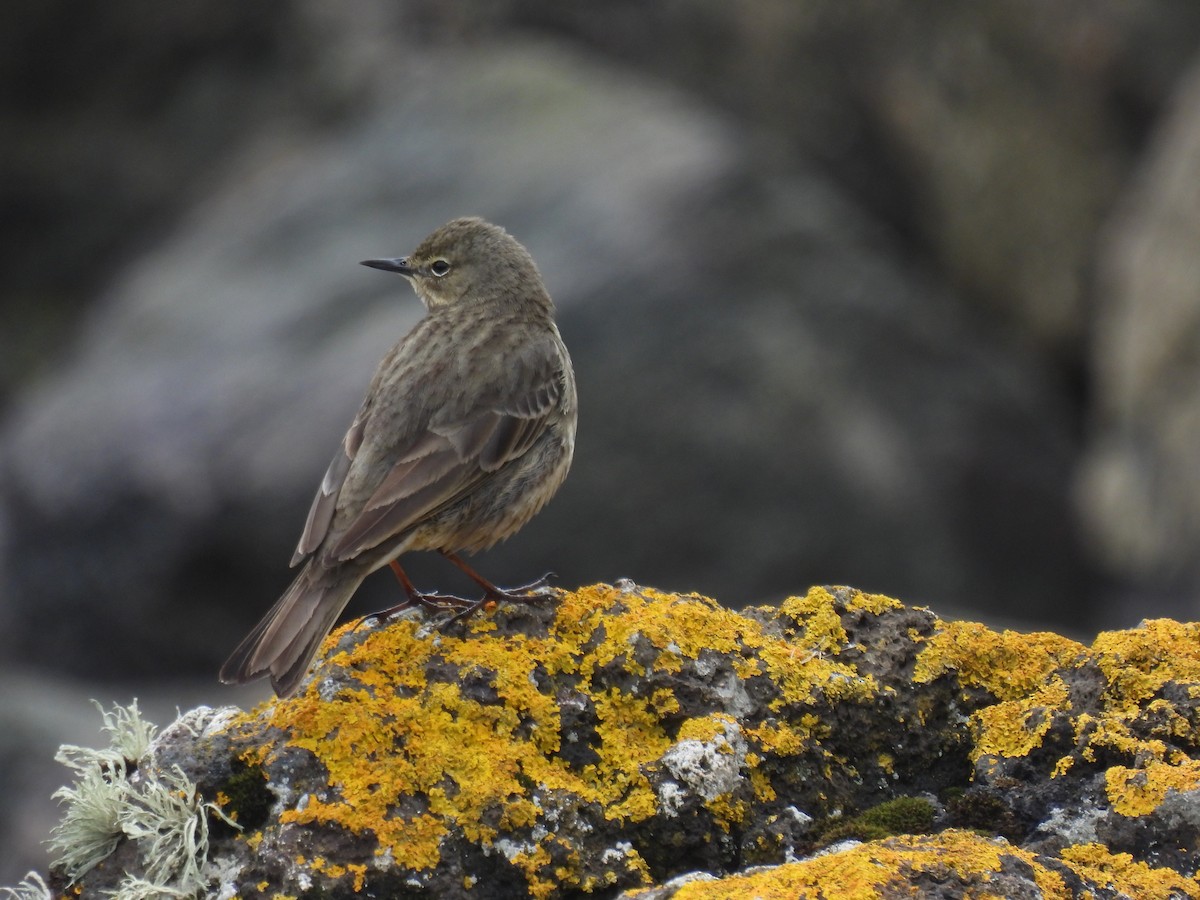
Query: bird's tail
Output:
(285,641)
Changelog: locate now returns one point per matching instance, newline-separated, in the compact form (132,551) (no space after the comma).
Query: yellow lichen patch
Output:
(1138,662)
(760,783)
(1097,864)
(1137,791)
(813,679)
(432,734)
(875,604)
(533,860)
(1029,675)
(705,728)
(1016,727)
(1007,664)
(1112,732)
(679,627)
(727,811)
(820,601)
(357,871)
(630,736)
(817,611)
(881,869)
(787,739)
(803,667)
(1173,725)
(411,759)
(428,741)
(636,864)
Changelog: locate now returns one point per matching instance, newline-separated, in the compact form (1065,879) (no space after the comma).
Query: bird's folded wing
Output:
(324,504)
(449,459)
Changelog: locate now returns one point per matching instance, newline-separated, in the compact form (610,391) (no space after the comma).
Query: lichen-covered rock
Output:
(948,865)
(622,737)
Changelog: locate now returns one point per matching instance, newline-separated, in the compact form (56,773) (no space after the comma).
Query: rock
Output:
(767,388)
(1140,488)
(953,865)
(626,738)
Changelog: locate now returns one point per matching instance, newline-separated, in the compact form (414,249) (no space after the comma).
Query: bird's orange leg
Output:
(431,600)
(535,590)
(414,597)
(527,593)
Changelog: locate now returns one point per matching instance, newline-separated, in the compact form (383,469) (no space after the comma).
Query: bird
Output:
(466,431)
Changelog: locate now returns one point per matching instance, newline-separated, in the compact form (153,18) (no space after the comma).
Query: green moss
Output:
(245,797)
(904,815)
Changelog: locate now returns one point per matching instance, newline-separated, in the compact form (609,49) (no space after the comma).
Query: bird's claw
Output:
(538,589)
(431,601)
(535,591)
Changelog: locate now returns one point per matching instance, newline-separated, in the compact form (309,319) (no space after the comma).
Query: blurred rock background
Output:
(900,296)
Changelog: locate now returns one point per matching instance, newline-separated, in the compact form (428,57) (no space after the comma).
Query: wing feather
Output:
(324,504)
(444,463)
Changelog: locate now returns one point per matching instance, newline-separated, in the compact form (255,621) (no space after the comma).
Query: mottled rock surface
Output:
(622,738)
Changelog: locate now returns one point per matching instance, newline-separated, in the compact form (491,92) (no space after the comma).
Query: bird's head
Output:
(468,261)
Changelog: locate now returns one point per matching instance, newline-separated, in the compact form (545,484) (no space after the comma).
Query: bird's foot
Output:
(431,601)
(537,590)
(440,602)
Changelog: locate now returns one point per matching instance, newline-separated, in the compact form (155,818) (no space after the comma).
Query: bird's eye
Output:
(440,267)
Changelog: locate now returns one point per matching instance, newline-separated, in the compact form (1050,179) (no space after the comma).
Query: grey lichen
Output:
(169,819)
(32,887)
(129,734)
(119,794)
(134,888)
(91,823)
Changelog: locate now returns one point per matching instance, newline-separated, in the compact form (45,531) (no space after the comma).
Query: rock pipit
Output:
(466,431)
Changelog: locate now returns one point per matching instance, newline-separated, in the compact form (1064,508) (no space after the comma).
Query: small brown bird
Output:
(466,431)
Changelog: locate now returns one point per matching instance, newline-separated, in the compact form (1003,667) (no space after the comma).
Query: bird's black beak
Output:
(390,265)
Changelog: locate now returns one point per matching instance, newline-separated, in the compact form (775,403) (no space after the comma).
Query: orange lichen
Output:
(1137,791)
(1097,864)
(882,869)
(1140,661)
(1030,675)
(705,728)
(472,747)
(1007,664)
(470,760)
(322,866)
(727,811)
(886,868)
(787,739)
(629,729)
(1016,727)
(818,613)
